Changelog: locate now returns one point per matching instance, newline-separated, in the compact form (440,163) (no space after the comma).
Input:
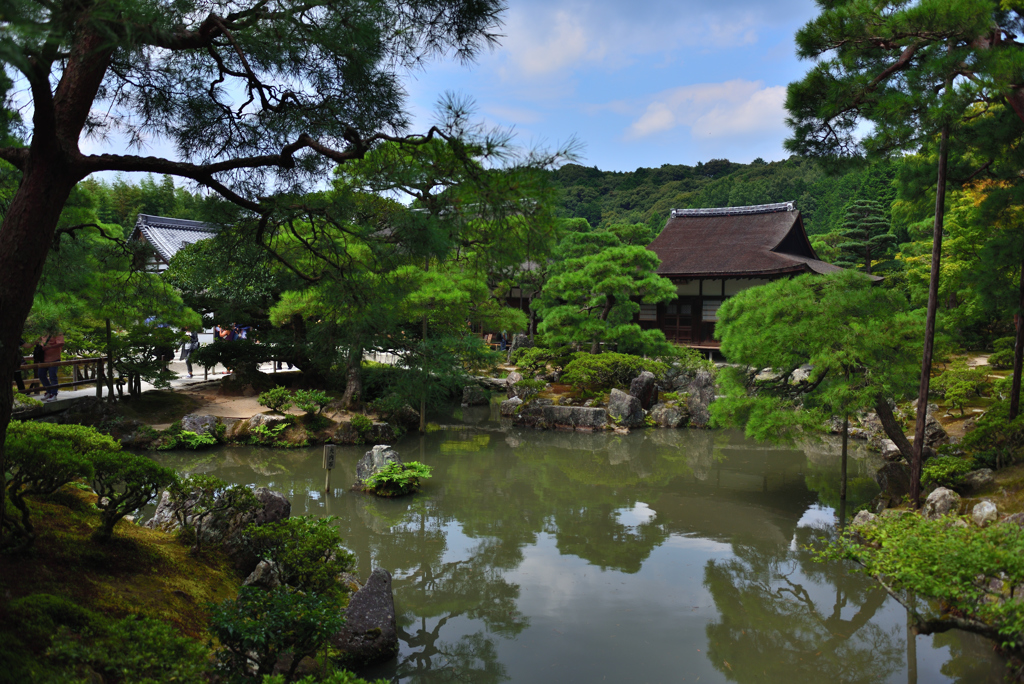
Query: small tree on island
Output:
(859,344)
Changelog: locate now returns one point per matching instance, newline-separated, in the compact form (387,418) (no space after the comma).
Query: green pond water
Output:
(658,556)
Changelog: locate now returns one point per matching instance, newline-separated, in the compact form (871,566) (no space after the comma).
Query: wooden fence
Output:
(85,371)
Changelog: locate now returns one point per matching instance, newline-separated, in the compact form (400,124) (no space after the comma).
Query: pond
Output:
(658,556)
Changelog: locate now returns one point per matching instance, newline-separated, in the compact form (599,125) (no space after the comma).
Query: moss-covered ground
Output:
(140,571)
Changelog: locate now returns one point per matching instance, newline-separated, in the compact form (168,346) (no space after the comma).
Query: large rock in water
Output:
(625,409)
(580,418)
(508,407)
(375,460)
(201,425)
(472,395)
(370,634)
(894,480)
(510,382)
(701,391)
(645,388)
(668,416)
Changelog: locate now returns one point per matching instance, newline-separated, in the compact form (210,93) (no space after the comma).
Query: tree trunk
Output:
(842,467)
(596,347)
(893,430)
(353,397)
(929,333)
(1018,352)
(25,237)
(423,396)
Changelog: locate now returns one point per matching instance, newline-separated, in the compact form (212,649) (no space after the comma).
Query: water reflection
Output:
(654,556)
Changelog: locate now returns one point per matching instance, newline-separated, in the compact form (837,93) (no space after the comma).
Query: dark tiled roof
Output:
(762,240)
(168,235)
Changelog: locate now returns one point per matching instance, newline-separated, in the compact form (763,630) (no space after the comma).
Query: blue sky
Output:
(638,84)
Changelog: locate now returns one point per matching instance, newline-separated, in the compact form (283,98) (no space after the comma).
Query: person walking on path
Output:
(52,345)
(186,349)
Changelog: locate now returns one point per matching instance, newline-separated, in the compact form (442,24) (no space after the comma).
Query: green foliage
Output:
(608,370)
(259,627)
(125,482)
(362,425)
(337,677)
(277,399)
(528,387)
(136,649)
(39,616)
(198,498)
(953,564)
(311,401)
(866,236)
(265,435)
(396,479)
(959,383)
(946,471)
(42,458)
(996,441)
(308,552)
(856,342)
(185,439)
(535,360)
(1002,357)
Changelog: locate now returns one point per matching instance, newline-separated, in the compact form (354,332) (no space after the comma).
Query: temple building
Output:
(712,254)
(166,236)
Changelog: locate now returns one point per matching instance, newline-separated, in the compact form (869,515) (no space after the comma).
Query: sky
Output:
(638,84)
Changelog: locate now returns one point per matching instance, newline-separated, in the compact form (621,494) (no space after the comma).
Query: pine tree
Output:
(866,235)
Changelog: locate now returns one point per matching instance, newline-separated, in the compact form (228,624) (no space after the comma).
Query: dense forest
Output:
(648,195)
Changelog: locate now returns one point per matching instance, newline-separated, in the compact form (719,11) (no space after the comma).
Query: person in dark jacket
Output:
(186,349)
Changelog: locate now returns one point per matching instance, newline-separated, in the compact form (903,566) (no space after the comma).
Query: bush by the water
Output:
(311,401)
(278,399)
(396,479)
(605,371)
(199,498)
(307,551)
(535,360)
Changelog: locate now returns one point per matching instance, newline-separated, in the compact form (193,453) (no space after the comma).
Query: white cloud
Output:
(713,110)
(545,44)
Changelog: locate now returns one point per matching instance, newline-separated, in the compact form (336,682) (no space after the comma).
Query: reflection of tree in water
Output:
(595,533)
(775,626)
(970,659)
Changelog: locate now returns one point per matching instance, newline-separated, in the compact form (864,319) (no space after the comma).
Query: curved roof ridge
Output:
(736,211)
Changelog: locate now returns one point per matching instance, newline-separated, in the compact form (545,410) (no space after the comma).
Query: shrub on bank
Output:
(605,371)
(124,483)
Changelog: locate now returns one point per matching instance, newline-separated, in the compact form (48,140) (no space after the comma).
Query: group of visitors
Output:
(46,349)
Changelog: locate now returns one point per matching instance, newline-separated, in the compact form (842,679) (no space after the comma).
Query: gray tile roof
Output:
(168,235)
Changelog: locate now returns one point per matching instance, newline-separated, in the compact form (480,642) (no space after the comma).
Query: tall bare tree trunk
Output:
(353,396)
(929,333)
(1018,351)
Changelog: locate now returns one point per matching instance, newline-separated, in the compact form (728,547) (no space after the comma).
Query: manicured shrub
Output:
(312,401)
(606,371)
(308,552)
(397,479)
(1003,355)
(947,471)
(42,458)
(39,616)
(535,360)
(259,627)
(996,441)
(959,383)
(278,399)
(125,482)
(136,649)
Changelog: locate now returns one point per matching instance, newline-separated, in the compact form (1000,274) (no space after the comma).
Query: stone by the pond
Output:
(977,479)
(863,518)
(667,416)
(267,575)
(226,527)
(625,409)
(374,460)
(984,513)
(561,417)
(268,419)
(201,425)
(510,382)
(941,502)
(890,452)
(508,407)
(645,388)
(370,634)
(894,480)
(1015,518)
(473,395)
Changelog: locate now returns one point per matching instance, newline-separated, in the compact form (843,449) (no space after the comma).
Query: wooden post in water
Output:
(328,466)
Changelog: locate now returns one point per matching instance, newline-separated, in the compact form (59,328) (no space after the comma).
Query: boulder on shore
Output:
(370,634)
(201,425)
(625,409)
(645,388)
(508,407)
(941,502)
(669,416)
(561,417)
(893,479)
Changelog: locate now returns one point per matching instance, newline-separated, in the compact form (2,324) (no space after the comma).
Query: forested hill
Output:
(648,195)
